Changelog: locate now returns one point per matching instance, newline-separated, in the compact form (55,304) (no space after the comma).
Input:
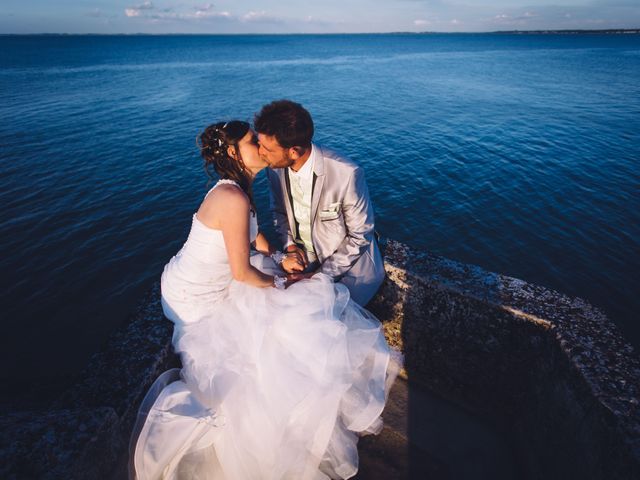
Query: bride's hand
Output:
(299,253)
(296,277)
(292,264)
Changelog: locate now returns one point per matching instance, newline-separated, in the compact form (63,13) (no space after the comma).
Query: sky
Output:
(320,16)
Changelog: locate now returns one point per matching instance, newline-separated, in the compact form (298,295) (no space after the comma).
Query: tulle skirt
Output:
(275,384)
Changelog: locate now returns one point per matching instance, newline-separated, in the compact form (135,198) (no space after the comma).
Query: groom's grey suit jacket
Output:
(342,228)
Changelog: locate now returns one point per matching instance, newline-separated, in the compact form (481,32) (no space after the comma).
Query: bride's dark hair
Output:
(214,143)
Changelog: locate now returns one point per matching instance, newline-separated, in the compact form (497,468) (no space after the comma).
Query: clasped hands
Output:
(294,263)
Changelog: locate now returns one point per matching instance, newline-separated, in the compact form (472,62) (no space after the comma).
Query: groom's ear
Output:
(296,152)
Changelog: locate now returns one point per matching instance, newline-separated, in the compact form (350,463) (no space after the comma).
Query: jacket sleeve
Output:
(278,210)
(358,217)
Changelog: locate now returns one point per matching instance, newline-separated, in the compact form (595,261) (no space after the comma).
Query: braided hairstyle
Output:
(214,143)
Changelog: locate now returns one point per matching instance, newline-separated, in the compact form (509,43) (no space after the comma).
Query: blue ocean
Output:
(518,153)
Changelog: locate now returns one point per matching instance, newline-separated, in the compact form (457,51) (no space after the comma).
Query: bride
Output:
(280,375)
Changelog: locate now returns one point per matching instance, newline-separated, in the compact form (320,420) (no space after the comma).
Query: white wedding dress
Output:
(275,384)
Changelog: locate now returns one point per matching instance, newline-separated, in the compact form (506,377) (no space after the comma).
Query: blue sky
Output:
(321,16)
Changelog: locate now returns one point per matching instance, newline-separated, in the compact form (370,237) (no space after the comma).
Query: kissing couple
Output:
(283,369)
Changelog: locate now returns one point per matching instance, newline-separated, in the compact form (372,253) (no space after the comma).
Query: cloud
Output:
(207,16)
(264,17)
(518,19)
(421,22)
(138,10)
(195,16)
(204,11)
(201,12)
(526,16)
(253,16)
(554,17)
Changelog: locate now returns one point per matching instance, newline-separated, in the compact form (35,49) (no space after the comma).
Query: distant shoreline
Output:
(615,31)
(619,31)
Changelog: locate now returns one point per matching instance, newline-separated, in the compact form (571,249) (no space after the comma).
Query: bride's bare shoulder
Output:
(228,194)
(221,203)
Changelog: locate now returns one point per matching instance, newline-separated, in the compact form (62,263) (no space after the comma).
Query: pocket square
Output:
(331,212)
(328,214)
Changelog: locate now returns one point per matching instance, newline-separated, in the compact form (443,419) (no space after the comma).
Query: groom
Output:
(320,202)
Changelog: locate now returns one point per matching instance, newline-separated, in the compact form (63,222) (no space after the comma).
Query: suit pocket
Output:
(329,215)
(325,217)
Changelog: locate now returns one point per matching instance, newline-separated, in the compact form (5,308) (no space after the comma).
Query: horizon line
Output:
(406,32)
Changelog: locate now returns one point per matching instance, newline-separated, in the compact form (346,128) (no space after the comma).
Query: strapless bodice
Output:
(200,272)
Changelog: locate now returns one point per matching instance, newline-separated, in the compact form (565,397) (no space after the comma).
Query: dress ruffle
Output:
(275,384)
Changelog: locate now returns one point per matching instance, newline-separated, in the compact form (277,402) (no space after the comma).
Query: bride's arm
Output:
(262,244)
(234,223)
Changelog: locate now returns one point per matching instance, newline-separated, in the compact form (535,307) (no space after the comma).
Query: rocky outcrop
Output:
(553,369)
(85,433)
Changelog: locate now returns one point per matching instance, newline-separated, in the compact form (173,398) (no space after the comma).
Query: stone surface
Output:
(427,437)
(553,366)
(56,444)
(545,373)
(110,388)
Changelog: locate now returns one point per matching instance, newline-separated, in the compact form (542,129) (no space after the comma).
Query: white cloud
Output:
(138,10)
(264,17)
(254,16)
(206,14)
(205,11)
(517,20)
(202,12)
(228,16)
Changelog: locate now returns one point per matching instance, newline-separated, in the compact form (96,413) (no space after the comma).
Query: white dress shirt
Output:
(301,189)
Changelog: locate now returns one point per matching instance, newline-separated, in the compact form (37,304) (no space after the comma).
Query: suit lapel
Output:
(288,201)
(318,182)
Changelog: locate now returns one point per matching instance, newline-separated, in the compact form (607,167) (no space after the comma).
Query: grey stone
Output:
(50,444)
(554,367)
(549,386)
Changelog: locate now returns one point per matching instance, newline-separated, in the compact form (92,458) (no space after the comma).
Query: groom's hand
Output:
(299,254)
(292,264)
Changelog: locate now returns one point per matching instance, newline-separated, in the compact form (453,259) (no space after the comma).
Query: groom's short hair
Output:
(288,121)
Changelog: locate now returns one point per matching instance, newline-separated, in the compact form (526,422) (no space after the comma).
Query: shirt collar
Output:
(307,169)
